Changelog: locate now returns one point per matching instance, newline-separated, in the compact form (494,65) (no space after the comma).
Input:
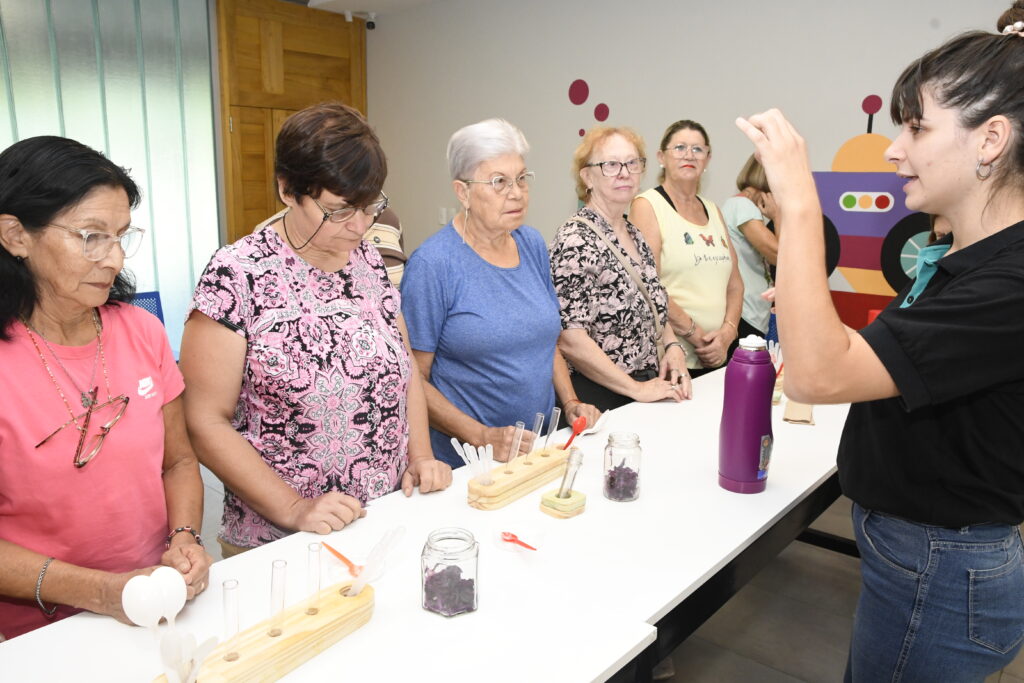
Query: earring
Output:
(977,170)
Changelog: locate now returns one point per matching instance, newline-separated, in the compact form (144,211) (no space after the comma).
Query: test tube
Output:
(556,414)
(277,578)
(313,577)
(538,426)
(571,468)
(230,587)
(517,438)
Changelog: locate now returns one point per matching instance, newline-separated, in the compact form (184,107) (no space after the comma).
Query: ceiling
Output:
(362,7)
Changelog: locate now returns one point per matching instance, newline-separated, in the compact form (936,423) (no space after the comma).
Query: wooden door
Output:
(276,58)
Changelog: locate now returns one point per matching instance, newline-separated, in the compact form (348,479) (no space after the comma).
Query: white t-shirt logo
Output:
(145,386)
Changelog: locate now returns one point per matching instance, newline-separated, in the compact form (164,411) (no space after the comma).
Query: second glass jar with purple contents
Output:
(622,467)
(449,564)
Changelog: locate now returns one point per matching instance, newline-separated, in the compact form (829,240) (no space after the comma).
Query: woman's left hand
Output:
(576,408)
(192,560)
(673,369)
(429,474)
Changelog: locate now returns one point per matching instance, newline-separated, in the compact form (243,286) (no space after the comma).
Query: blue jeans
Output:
(936,604)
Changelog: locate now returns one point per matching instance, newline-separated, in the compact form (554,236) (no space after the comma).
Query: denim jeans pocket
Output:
(997,605)
(901,545)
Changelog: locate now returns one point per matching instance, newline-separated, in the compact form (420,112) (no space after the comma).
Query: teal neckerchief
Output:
(926,268)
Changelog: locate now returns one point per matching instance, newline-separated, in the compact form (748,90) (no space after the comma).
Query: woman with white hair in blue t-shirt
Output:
(481,310)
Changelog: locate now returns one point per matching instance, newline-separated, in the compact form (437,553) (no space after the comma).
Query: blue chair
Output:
(151,302)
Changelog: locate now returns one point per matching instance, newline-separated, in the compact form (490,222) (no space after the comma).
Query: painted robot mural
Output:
(872,239)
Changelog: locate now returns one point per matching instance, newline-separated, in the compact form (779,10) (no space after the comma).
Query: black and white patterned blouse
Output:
(595,293)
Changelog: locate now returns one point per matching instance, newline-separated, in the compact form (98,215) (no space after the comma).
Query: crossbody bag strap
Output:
(635,276)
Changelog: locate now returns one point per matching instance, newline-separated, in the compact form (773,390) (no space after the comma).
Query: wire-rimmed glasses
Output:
(679,151)
(343,214)
(82,454)
(96,244)
(614,168)
(502,184)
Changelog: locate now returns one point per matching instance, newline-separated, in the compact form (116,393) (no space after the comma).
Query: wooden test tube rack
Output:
(512,480)
(263,658)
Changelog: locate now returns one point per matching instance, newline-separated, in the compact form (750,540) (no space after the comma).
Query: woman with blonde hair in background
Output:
(755,245)
(613,307)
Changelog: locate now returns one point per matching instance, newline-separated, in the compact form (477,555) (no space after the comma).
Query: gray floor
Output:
(790,623)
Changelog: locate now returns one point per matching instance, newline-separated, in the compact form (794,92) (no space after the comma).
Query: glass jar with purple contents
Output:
(622,467)
(449,564)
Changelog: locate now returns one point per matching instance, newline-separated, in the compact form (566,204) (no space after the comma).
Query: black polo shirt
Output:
(949,450)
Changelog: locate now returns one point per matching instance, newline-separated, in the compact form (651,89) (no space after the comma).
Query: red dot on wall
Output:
(579,91)
(871,104)
(882,202)
(582,132)
(601,112)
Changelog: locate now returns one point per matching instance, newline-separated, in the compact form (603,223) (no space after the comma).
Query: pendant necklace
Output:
(87,399)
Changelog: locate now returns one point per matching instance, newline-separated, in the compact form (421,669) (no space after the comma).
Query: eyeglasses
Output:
(120,405)
(502,184)
(343,214)
(679,151)
(614,168)
(96,245)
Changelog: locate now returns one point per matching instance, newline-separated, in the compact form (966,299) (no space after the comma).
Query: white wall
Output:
(436,67)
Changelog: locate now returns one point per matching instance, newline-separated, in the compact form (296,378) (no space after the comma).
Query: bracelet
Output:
(565,406)
(693,328)
(195,535)
(39,584)
(675,343)
(729,322)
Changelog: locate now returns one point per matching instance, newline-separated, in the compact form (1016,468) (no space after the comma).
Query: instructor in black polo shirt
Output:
(933,450)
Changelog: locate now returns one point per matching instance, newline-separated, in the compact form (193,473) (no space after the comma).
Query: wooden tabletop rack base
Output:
(512,480)
(303,636)
(563,508)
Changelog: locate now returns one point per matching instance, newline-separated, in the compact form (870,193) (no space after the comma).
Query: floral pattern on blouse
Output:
(596,293)
(323,396)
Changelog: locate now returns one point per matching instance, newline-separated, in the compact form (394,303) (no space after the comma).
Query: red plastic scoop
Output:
(353,568)
(578,425)
(510,537)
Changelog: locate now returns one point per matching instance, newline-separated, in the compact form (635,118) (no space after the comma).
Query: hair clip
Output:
(1016,27)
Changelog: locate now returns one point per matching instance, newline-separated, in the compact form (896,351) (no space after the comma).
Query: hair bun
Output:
(1015,13)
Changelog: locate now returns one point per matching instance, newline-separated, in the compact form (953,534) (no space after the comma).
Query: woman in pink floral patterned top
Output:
(299,390)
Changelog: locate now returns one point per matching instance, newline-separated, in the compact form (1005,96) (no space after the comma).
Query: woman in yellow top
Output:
(696,263)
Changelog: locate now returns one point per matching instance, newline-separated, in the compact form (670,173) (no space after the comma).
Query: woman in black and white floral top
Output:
(609,329)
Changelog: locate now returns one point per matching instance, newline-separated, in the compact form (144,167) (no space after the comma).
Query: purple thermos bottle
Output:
(745,437)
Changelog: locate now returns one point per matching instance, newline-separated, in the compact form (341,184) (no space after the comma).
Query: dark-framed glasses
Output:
(87,448)
(96,245)
(679,151)
(343,214)
(502,183)
(614,168)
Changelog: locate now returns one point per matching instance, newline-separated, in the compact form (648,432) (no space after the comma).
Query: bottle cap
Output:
(753,343)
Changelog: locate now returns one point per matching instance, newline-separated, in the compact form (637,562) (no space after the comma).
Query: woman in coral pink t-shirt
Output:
(98,481)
